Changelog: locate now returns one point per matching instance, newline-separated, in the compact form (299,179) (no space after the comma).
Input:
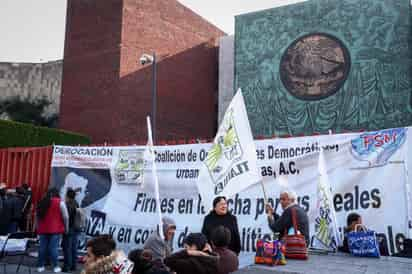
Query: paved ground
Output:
(10,268)
(319,264)
(336,264)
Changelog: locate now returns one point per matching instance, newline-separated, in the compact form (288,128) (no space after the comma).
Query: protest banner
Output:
(368,173)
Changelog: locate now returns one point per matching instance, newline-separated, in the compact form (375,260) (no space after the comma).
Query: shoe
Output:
(57,269)
(40,269)
(65,269)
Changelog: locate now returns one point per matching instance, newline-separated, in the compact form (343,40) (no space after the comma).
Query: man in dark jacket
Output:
(283,223)
(6,210)
(196,258)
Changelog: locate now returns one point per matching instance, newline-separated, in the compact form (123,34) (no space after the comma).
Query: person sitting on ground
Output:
(144,264)
(196,258)
(102,258)
(161,247)
(228,261)
(354,223)
(283,223)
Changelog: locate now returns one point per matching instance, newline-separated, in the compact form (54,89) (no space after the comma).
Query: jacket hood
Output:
(167,223)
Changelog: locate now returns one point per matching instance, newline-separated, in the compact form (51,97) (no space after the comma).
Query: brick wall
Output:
(107,93)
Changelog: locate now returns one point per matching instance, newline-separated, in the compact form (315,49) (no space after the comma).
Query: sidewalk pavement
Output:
(11,269)
(336,264)
(319,264)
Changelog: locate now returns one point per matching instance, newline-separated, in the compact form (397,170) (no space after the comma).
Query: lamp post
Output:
(151,59)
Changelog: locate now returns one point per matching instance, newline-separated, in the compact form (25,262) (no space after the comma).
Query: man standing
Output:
(283,223)
(6,210)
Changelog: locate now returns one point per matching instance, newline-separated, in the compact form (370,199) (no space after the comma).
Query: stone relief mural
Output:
(325,64)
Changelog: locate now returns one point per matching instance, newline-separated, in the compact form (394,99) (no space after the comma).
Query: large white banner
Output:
(368,174)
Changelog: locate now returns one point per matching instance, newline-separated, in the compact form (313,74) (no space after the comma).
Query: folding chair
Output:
(17,236)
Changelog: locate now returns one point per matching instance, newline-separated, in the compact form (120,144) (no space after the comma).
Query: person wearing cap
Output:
(162,247)
(196,258)
(221,216)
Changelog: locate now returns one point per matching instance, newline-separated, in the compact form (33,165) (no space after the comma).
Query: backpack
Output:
(80,219)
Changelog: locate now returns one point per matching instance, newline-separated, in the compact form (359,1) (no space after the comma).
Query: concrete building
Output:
(31,82)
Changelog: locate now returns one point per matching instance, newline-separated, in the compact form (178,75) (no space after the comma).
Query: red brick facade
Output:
(106,93)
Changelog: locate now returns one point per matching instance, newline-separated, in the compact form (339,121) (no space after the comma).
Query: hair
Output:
(221,236)
(20,190)
(197,239)
(141,259)
(71,194)
(45,202)
(291,194)
(353,217)
(102,245)
(217,200)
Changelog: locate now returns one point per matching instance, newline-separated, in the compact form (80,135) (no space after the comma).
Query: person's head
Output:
(45,202)
(220,205)
(195,241)
(53,193)
(287,197)
(99,247)
(352,220)
(70,194)
(169,228)
(220,236)
(25,186)
(20,190)
(141,259)
(3,189)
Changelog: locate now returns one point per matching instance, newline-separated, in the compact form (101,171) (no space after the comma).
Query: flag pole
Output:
(264,191)
(154,174)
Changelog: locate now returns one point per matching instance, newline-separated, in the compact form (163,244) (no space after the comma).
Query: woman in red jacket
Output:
(52,222)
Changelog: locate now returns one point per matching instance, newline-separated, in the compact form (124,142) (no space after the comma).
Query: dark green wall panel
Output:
(376,92)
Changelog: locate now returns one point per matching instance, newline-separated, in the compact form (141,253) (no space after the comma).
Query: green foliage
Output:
(15,134)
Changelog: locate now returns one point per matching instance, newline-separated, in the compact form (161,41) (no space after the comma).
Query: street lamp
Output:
(151,59)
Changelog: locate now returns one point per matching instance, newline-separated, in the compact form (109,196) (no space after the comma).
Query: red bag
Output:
(295,245)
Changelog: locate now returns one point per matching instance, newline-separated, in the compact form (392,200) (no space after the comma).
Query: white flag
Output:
(230,166)
(150,163)
(326,227)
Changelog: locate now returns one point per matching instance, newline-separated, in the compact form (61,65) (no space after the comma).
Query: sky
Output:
(34,30)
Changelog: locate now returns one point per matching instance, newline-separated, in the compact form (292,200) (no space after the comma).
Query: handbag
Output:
(363,243)
(270,252)
(295,244)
